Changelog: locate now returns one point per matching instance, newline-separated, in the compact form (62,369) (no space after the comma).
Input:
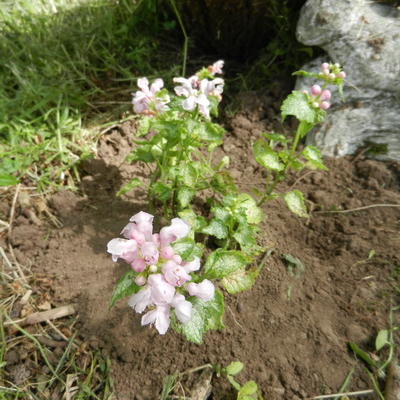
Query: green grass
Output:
(60,58)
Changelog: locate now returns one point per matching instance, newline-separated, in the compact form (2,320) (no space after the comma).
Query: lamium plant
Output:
(279,154)
(178,275)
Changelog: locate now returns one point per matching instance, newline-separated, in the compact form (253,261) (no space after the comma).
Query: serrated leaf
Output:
(221,213)
(185,195)
(221,263)
(313,155)
(234,368)
(295,202)
(8,180)
(245,236)
(216,228)
(206,315)
(297,104)
(382,339)
(248,389)
(254,214)
(276,137)
(135,182)
(187,248)
(142,153)
(189,175)
(215,311)
(239,281)
(126,286)
(266,156)
(161,191)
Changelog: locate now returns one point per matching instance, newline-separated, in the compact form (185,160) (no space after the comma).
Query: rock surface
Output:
(364,37)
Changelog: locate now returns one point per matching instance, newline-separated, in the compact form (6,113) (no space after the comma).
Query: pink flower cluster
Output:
(197,90)
(162,274)
(332,71)
(319,98)
(149,100)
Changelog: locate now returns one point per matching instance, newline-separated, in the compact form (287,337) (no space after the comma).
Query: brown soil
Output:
(290,332)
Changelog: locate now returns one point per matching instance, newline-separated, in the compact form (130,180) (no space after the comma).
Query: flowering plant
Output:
(278,155)
(166,276)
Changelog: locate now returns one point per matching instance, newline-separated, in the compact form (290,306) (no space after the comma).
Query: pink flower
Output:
(183,308)
(325,95)
(324,105)
(143,223)
(167,252)
(138,265)
(159,317)
(204,290)
(122,248)
(149,252)
(175,274)
(216,68)
(177,230)
(130,231)
(212,88)
(141,299)
(161,291)
(316,90)
(191,266)
(147,97)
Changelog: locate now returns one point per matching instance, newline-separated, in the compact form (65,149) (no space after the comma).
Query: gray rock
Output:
(364,37)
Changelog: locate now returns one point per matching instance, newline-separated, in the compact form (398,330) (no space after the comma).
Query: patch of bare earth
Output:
(291,333)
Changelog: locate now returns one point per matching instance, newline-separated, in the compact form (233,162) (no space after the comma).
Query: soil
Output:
(290,330)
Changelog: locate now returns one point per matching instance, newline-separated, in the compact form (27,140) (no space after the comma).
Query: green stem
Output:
(186,37)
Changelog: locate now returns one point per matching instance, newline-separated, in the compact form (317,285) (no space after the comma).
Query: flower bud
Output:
(325,95)
(325,66)
(315,104)
(332,75)
(153,268)
(324,105)
(325,72)
(341,75)
(140,280)
(316,90)
(337,65)
(138,265)
(305,92)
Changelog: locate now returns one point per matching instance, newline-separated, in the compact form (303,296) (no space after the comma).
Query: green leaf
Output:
(362,355)
(185,195)
(297,104)
(266,156)
(206,315)
(187,248)
(135,182)
(248,389)
(126,286)
(276,137)
(382,339)
(313,155)
(161,191)
(216,309)
(234,368)
(221,263)
(197,222)
(142,153)
(216,228)
(189,175)
(239,281)
(8,180)
(245,235)
(254,214)
(295,203)
(221,213)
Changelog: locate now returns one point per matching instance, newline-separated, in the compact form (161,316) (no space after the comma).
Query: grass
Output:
(60,58)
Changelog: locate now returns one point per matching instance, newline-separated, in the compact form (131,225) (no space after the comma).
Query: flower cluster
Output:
(319,97)
(331,72)
(195,89)
(162,274)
